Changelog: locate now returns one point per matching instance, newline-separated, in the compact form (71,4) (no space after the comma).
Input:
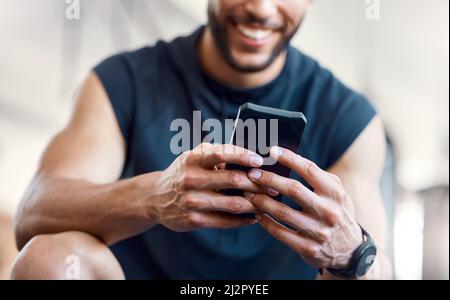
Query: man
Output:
(111,194)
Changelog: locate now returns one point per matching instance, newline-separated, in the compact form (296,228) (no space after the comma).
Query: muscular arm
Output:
(75,186)
(360,170)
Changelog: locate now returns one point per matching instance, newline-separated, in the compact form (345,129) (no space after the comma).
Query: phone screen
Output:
(259,128)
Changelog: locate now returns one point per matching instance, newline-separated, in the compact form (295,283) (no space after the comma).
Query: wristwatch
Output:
(361,261)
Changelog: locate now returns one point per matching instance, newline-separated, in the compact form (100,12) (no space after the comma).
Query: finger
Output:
(209,156)
(287,215)
(212,201)
(315,176)
(290,238)
(221,166)
(271,192)
(218,220)
(286,186)
(226,179)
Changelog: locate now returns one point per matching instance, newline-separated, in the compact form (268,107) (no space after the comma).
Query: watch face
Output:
(366,260)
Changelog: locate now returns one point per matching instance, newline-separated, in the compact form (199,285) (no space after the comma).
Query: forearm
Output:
(111,212)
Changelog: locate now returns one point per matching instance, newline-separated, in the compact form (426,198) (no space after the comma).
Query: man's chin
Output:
(249,65)
(249,69)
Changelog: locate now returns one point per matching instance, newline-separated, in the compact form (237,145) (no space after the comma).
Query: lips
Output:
(255,34)
(253,38)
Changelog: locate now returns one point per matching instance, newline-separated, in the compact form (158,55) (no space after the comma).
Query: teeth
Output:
(254,34)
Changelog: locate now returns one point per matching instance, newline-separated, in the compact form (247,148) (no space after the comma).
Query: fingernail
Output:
(272,192)
(256,160)
(252,221)
(276,151)
(255,174)
(248,195)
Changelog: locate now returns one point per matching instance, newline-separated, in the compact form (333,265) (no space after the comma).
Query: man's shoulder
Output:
(162,52)
(322,85)
(336,113)
(133,59)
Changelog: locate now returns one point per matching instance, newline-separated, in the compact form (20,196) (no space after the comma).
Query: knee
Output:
(68,255)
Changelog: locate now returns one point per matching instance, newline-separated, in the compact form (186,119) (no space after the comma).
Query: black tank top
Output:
(151,87)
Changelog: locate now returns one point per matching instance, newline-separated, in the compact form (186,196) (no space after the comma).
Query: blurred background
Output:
(395,51)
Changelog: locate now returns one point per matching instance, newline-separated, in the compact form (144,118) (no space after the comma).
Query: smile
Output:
(253,33)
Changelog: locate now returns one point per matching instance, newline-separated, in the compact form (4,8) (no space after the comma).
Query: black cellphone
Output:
(289,131)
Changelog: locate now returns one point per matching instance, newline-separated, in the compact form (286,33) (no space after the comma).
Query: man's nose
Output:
(261,9)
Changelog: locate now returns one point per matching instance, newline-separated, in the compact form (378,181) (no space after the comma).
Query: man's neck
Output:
(215,66)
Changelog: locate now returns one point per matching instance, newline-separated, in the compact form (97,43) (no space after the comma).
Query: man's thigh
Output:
(66,255)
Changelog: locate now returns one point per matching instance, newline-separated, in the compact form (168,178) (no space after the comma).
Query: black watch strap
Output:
(361,261)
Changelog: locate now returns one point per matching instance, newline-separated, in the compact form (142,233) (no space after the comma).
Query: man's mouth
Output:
(256,34)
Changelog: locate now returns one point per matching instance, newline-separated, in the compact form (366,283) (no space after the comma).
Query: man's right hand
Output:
(78,186)
(186,195)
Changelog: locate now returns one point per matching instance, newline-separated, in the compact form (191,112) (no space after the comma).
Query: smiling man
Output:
(110,192)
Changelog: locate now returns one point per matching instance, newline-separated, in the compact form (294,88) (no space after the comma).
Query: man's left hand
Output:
(325,233)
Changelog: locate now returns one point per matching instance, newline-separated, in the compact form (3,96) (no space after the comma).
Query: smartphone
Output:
(258,128)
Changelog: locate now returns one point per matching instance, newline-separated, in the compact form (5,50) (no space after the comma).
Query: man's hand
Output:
(325,233)
(77,186)
(187,193)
